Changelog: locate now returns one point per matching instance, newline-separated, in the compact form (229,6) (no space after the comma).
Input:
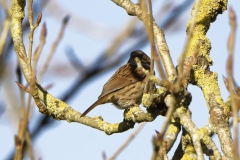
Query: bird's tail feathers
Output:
(99,101)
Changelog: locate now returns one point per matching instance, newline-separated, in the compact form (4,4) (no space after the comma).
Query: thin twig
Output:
(18,142)
(148,21)
(30,36)
(32,86)
(6,26)
(32,29)
(42,42)
(19,76)
(29,145)
(170,102)
(54,46)
(183,55)
(24,122)
(126,143)
(231,43)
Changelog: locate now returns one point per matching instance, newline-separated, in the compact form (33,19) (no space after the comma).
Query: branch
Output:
(197,135)
(174,128)
(135,10)
(201,74)
(59,110)
(17,7)
(32,29)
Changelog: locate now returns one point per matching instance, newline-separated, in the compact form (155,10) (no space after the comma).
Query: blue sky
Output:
(75,141)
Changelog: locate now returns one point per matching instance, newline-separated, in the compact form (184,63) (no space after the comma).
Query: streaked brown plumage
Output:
(125,87)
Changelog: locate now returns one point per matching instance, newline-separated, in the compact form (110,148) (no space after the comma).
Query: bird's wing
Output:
(121,78)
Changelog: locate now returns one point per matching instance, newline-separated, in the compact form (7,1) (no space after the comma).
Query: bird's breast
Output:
(129,95)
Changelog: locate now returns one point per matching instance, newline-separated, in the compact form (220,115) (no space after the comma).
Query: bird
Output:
(126,87)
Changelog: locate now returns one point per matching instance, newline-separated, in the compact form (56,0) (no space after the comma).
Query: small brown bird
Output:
(125,88)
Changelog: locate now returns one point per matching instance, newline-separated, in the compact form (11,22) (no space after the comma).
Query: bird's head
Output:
(145,60)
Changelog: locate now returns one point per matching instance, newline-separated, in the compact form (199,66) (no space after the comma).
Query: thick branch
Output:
(61,111)
(17,7)
(203,77)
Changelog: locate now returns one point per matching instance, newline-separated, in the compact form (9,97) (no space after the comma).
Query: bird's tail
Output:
(99,101)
